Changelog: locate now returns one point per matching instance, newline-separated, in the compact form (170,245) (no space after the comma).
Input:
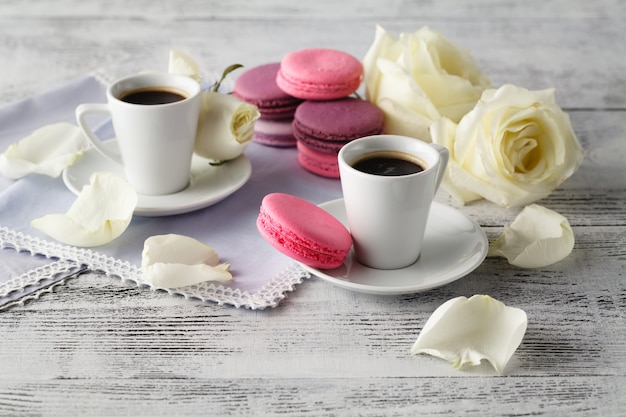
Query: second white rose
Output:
(514,148)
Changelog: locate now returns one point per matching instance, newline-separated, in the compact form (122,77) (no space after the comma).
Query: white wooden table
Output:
(97,347)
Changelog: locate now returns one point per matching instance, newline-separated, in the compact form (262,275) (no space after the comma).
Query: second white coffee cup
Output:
(387,208)
(155,117)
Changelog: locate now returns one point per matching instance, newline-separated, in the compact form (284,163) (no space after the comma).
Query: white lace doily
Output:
(72,260)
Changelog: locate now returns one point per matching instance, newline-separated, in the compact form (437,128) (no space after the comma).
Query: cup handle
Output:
(81,113)
(444,156)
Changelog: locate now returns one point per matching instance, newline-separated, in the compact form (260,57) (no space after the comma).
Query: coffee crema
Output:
(389,164)
(153,95)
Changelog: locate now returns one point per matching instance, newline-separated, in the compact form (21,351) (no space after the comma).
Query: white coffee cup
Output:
(387,215)
(155,140)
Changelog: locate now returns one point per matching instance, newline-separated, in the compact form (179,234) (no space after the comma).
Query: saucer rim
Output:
(150,210)
(481,238)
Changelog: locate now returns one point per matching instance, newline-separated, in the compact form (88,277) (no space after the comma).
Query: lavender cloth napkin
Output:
(24,275)
(262,276)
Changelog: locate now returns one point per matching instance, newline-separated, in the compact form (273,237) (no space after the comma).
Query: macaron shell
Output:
(303,231)
(319,74)
(319,163)
(328,125)
(274,132)
(258,86)
(330,147)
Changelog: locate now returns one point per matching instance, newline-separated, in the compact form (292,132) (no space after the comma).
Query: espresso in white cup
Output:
(155,117)
(388,184)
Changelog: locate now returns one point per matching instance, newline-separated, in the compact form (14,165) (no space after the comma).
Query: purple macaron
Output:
(328,125)
(258,86)
(322,128)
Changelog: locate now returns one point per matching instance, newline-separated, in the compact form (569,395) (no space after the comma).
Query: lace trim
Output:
(268,296)
(37,275)
(35,295)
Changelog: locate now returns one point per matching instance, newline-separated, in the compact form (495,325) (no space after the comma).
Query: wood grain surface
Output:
(96,346)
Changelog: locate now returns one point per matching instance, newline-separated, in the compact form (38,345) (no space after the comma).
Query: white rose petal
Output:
(466,331)
(514,148)
(226,126)
(47,151)
(172,261)
(418,78)
(456,181)
(537,237)
(448,74)
(100,213)
(408,110)
(182,64)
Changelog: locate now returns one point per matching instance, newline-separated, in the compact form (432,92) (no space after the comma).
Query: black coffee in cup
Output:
(388,163)
(153,95)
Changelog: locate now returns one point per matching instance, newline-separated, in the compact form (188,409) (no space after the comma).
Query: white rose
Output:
(515,147)
(225,127)
(418,78)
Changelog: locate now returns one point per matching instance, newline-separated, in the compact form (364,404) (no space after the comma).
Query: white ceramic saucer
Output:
(454,245)
(208,184)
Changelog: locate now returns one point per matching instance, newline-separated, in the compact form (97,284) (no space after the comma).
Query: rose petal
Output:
(100,213)
(455,181)
(538,237)
(404,122)
(226,126)
(465,331)
(183,64)
(47,151)
(408,111)
(172,261)
(448,74)
(384,46)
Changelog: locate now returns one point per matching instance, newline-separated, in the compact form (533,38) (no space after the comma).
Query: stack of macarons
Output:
(303,231)
(304,101)
(258,86)
(328,118)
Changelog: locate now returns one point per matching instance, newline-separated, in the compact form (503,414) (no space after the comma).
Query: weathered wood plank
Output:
(215,395)
(557,54)
(362,10)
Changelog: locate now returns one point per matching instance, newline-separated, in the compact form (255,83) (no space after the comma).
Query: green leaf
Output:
(227,71)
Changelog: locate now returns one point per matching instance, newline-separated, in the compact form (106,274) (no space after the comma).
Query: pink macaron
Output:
(258,86)
(303,231)
(319,163)
(319,74)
